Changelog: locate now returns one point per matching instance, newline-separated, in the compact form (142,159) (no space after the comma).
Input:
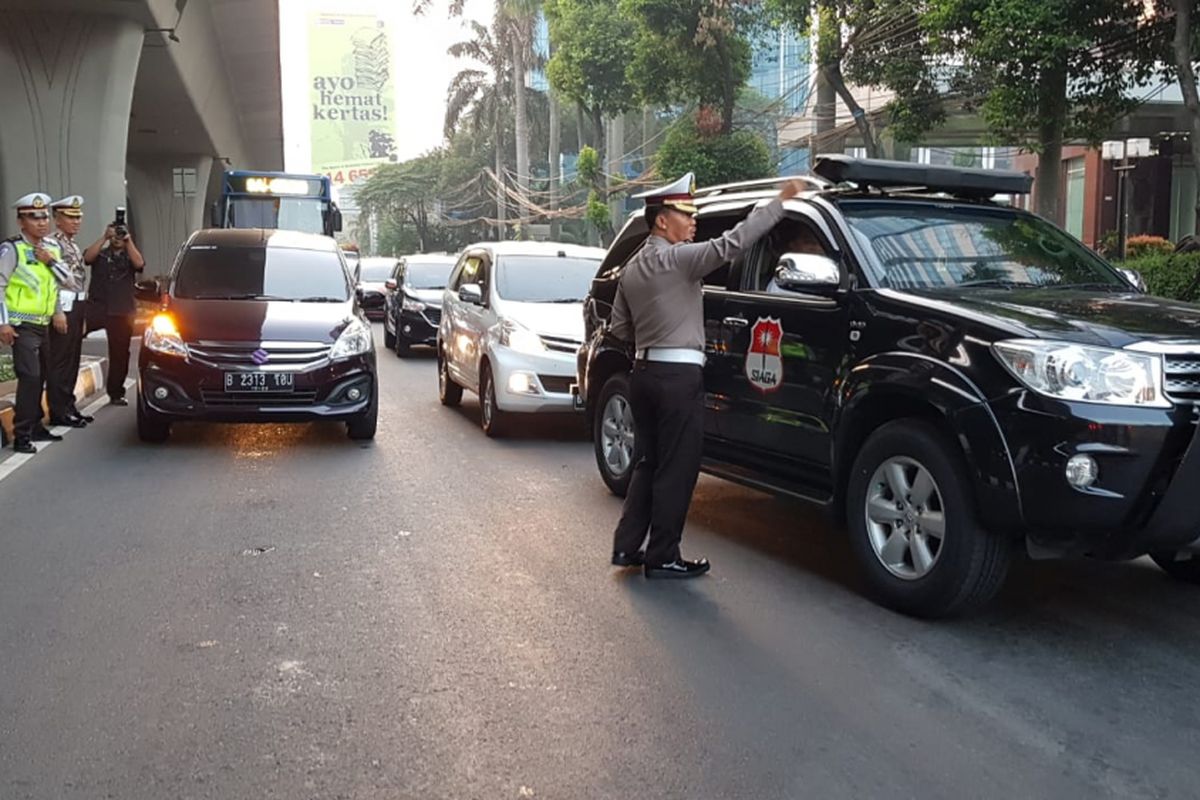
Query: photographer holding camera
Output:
(115,262)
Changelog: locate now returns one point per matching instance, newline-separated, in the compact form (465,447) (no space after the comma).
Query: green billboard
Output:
(353,95)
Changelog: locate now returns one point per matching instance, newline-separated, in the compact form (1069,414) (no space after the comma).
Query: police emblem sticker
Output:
(764,363)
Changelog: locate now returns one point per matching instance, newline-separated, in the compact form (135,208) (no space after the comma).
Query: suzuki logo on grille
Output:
(260,356)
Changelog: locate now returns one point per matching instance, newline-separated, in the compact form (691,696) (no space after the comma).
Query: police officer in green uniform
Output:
(31,273)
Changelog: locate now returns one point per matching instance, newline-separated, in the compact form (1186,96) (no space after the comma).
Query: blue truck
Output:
(277,200)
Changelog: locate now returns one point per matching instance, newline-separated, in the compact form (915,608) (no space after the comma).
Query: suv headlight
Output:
(412,304)
(355,340)
(162,336)
(1092,374)
(520,338)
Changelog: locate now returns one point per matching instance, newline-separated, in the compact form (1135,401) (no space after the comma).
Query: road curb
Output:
(93,371)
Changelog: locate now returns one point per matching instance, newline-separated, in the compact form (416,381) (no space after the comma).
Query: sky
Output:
(420,63)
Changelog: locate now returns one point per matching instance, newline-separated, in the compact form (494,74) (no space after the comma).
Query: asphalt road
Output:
(278,612)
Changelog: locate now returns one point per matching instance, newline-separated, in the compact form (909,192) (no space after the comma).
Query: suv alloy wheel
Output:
(912,525)
(613,435)
(493,420)
(449,392)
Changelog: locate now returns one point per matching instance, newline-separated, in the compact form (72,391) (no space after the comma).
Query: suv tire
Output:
(613,435)
(401,345)
(363,427)
(449,392)
(151,427)
(493,420)
(908,468)
(1187,570)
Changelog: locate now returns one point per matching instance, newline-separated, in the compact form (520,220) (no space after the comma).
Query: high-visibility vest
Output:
(32,292)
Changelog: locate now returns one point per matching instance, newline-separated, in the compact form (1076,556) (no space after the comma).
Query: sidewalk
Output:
(93,370)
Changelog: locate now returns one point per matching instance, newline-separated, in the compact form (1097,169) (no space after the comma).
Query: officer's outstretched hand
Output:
(791,189)
(60,322)
(8,335)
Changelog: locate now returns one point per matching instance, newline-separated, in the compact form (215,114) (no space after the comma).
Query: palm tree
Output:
(521,18)
(481,95)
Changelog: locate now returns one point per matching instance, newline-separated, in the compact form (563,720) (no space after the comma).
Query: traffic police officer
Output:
(660,307)
(61,366)
(31,273)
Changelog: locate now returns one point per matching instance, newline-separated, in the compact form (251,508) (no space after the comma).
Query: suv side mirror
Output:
(471,293)
(390,284)
(148,291)
(805,272)
(1135,277)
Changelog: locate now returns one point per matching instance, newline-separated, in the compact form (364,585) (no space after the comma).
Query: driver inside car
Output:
(795,238)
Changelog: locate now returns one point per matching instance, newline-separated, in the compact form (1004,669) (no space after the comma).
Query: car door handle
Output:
(736,322)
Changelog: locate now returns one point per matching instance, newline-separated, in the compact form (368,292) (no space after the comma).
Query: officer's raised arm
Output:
(698,259)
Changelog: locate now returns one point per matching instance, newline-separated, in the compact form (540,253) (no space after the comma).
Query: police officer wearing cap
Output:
(659,306)
(32,271)
(61,366)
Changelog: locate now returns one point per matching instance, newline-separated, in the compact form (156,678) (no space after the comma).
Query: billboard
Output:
(353,95)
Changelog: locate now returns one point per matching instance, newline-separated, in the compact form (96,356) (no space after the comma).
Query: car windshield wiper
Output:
(564,300)
(1092,285)
(1000,282)
(318,299)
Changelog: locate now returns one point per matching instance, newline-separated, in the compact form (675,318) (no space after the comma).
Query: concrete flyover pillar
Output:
(65,98)
(167,200)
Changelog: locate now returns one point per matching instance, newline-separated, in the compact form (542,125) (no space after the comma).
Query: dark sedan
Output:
(257,326)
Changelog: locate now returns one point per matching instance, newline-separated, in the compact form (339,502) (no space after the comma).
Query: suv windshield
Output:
(257,273)
(377,272)
(545,279)
(428,274)
(927,246)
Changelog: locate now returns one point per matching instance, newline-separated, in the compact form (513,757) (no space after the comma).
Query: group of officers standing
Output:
(45,310)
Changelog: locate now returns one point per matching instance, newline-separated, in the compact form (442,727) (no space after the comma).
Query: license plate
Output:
(259,381)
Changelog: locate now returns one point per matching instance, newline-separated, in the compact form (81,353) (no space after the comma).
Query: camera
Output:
(119,225)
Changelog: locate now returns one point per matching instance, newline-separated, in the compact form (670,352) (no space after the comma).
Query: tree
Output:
(1185,53)
(1043,73)
(520,18)
(864,42)
(483,95)
(692,51)
(721,158)
(407,194)
(593,45)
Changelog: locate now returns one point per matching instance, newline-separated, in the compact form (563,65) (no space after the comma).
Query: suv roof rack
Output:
(761,183)
(957,181)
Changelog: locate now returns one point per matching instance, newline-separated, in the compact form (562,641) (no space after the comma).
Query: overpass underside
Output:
(137,103)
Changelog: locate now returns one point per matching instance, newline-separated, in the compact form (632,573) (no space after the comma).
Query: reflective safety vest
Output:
(32,292)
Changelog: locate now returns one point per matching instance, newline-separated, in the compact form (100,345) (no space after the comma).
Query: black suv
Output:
(951,375)
(257,326)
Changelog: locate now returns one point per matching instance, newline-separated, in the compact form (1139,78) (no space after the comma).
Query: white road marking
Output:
(18,460)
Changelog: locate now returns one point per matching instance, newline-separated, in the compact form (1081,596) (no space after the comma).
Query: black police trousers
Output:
(668,417)
(27,363)
(60,365)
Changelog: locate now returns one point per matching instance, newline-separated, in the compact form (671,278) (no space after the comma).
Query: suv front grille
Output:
(216,399)
(560,344)
(280,356)
(1183,377)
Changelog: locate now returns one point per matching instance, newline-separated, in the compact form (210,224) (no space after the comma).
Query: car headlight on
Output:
(355,340)
(520,338)
(1090,374)
(412,304)
(162,336)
